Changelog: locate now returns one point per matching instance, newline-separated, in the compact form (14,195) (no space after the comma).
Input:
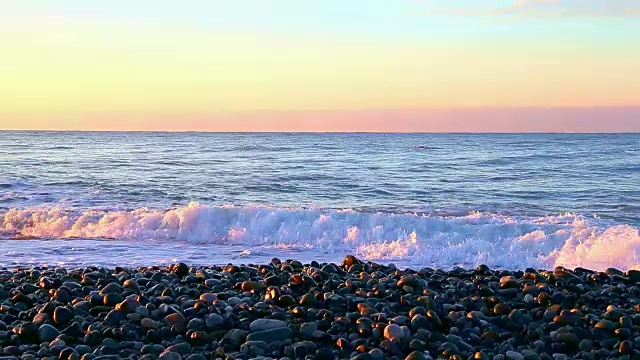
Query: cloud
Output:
(520,5)
(590,8)
(535,8)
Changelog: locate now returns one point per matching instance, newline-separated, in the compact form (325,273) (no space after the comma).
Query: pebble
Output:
(208,297)
(625,347)
(197,357)
(266,324)
(111,288)
(394,332)
(62,316)
(167,355)
(507,282)
(324,354)
(308,300)
(214,320)
(235,337)
(514,355)
(307,329)
(289,310)
(252,285)
(271,335)
(176,319)
(47,333)
(416,355)
(150,324)
(181,348)
(376,354)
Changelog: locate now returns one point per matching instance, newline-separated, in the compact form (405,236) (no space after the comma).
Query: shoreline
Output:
(287,309)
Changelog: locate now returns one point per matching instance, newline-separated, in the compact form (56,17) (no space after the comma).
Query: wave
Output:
(417,239)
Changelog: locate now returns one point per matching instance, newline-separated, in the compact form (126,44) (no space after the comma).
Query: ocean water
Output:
(436,200)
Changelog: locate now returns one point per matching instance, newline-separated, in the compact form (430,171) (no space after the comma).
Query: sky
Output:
(321,65)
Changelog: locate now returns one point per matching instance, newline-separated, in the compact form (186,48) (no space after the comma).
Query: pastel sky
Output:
(320,65)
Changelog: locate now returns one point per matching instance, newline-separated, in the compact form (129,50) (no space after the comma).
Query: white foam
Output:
(409,239)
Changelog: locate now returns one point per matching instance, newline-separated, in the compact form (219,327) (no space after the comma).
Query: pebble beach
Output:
(290,310)
(320,180)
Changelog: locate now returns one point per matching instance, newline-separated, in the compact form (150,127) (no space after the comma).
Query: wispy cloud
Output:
(524,5)
(596,8)
(538,8)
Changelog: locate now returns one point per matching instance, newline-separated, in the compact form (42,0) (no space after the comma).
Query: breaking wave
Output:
(413,239)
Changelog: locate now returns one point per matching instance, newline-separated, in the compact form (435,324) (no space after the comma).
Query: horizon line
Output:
(326,132)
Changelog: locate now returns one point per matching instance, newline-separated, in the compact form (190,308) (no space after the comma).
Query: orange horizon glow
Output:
(580,120)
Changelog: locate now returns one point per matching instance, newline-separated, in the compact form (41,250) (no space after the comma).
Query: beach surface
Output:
(294,310)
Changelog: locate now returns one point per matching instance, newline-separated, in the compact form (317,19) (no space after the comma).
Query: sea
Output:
(510,201)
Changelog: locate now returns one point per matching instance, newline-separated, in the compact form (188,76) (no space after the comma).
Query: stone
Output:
(131,284)
(235,337)
(625,347)
(362,356)
(111,288)
(167,355)
(68,354)
(83,349)
(606,325)
(47,333)
(308,300)
(214,320)
(114,317)
(252,285)
(180,269)
(27,331)
(394,332)
(514,355)
(57,342)
(324,354)
(435,319)
(152,349)
(300,351)
(408,280)
(585,345)
(197,357)
(418,345)
(570,340)
(266,324)
(176,319)
(502,309)
(507,282)
(376,354)
(111,299)
(195,324)
(271,335)
(62,316)
(181,348)
(129,305)
(416,355)
(62,295)
(208,297)
(307,329)
(530,355)
(149,324)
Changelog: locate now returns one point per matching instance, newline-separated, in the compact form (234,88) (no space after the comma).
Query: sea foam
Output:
(409,239)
